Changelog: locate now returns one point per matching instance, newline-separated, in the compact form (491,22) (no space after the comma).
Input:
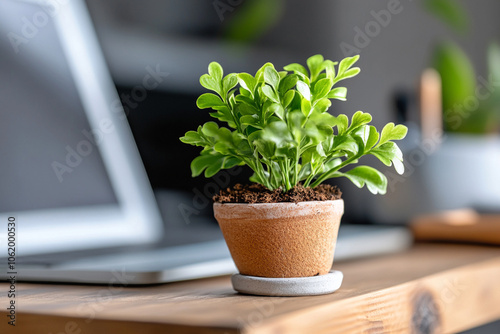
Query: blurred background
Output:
(452,151)
(397,41)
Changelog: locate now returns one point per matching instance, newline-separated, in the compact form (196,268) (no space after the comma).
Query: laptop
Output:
(75,201)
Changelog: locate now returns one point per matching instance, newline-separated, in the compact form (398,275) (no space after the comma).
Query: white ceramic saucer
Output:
(296,286)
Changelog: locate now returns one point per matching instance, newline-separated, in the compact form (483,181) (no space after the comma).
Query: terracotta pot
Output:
(281,239)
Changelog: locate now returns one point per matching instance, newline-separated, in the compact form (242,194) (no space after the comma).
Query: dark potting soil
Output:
(256,193)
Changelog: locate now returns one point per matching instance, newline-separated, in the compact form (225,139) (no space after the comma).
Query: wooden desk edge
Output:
(450,300)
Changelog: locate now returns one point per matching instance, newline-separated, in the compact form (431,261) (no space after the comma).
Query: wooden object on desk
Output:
(431,288)
(464,225)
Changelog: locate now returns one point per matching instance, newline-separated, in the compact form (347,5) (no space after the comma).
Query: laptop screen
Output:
(49,154)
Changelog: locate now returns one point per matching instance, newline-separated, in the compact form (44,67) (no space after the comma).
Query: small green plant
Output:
(279,127)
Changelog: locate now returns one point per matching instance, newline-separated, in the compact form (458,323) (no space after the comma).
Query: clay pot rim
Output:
(275,210)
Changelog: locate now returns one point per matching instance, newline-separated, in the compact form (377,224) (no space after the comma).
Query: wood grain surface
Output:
(432,288)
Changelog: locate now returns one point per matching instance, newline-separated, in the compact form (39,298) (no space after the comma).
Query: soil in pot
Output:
(256,193)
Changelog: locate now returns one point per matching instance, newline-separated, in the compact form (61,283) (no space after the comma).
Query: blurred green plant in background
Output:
(253,19)
(471,104)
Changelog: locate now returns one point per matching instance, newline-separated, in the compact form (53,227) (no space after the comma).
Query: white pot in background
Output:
(462,172)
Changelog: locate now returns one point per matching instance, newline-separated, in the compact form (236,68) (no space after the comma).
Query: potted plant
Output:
(285,225)
(471,123)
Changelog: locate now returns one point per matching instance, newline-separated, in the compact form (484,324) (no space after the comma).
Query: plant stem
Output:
(254,165)
(310,177)
(296,168)
(326,175)
(284,172)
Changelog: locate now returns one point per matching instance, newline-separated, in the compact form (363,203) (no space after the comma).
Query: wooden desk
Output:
(430,289)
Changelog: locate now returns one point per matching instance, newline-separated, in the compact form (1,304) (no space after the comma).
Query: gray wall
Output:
(393,58)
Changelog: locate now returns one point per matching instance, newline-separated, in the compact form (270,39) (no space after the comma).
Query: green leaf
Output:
(259,75)
(266,148)
(295,120)
(270,94)
(215,70)
(347,63)
(296,101)
(304,90)
(384,157)
(210,83)
(210,129)
(252,120)
(208,100)
(320,150)
(375,181)
(194,138)
(315,64)
(288,151)
(246,109)
(339,93)
(393,148)
(315,133)
(278,110)
(389,153)
(322,88)
(200,163)
(229,82)
(399,132)
(305,171)
(245,99)
(305,106)
(331,164)
(271,77)
(287,83)
(224,114)
(349,74)
(244,92)
(323,119)
(391,132)
(212,163)
(342,123)
(358,119)
(231,144)
(297,68)
(321,106)
(287,99)
(265,111)
(330,69)
(223,163)
(247,81)
(277,135)
(347,143)
(372,138)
